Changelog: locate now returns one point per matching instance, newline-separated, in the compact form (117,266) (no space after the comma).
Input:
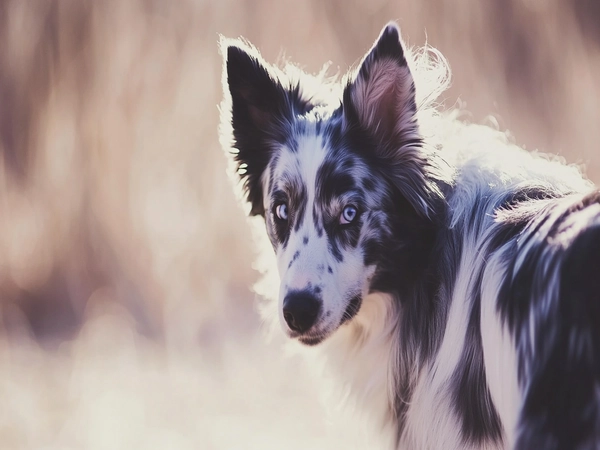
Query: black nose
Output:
(300,310)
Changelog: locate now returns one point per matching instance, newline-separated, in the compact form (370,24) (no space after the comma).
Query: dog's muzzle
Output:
(300,310)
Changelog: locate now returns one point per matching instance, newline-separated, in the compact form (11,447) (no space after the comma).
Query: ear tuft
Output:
(388,44)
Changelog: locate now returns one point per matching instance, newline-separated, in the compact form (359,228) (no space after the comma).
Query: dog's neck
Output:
(378,355)
(362,355)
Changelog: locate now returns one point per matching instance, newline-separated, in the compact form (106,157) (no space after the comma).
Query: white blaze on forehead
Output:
(303,163)
(311,154)
(302,166)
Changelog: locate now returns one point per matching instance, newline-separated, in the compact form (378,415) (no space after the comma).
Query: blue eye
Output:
(349,214)
(281,211)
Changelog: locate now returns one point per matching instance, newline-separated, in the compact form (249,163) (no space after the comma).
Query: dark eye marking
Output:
(280,212)
(278,197)
(343,230)
(293,192)
(334,177)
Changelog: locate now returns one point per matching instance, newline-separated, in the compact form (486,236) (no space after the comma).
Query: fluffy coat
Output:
(449,277)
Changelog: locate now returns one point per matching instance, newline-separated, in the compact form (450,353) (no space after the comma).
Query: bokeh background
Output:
(127,318)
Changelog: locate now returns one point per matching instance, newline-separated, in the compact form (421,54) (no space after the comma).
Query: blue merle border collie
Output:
(450,278)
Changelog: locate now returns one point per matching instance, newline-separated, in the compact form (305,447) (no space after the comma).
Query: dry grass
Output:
(125,261)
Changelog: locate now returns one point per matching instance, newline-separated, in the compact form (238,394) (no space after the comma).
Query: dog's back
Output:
(550,302)
(522,310)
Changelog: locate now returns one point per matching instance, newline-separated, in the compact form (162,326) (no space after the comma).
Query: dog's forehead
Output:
(303,153)
(301,157)
(315,155)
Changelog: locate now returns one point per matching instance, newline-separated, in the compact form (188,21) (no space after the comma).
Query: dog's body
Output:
(449,277)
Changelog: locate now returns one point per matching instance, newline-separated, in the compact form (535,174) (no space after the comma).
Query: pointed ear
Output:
(257,106)
(381,97)
(379,100)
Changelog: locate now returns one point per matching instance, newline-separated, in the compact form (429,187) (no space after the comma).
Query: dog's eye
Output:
(281,211)
(349,214)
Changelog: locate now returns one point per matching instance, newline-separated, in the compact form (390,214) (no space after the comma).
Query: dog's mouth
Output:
(311,341)
(318,334)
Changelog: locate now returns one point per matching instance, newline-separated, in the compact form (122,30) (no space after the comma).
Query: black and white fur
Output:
(451,279)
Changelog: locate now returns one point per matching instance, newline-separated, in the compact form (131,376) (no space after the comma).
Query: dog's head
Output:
(339,175)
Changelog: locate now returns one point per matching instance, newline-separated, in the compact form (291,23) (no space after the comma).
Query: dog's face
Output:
(324,214)
(340,180)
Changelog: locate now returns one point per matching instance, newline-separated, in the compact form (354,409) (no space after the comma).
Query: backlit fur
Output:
(462,304)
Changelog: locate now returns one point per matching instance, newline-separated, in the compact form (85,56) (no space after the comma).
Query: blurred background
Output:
(127,316)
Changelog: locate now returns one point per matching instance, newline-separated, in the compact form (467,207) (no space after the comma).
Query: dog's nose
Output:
(300,310)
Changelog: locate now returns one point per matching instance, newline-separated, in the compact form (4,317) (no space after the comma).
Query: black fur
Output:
(556,290)
(472,399)
(263,104)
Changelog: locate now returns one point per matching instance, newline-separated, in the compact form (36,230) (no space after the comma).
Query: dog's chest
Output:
(359,359)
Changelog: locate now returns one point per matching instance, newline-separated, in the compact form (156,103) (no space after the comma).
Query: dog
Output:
(450,278)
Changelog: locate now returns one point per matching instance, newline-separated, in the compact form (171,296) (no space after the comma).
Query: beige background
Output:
(127,318)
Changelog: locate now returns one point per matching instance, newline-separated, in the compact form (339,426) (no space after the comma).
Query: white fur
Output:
(368,339)
(500,357)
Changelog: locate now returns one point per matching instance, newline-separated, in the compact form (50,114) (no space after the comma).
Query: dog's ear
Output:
(381,96)
(259,105)
(379,100)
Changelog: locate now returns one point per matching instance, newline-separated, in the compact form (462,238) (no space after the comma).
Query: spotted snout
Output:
(301,310)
